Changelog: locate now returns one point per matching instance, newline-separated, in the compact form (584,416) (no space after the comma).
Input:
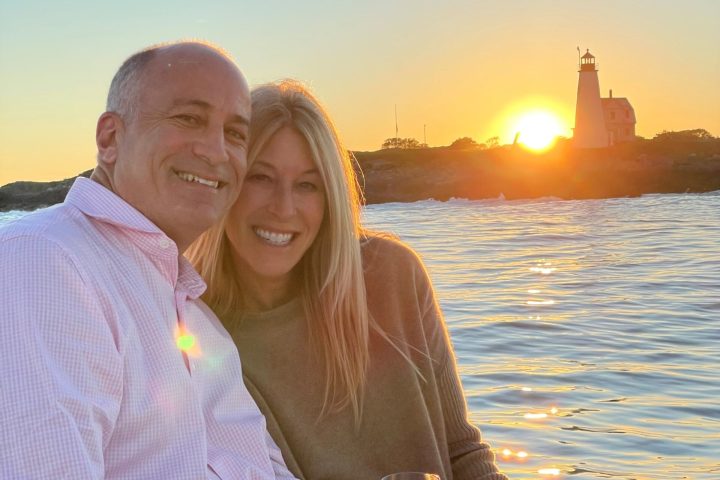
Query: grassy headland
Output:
(630,169)
(669,163)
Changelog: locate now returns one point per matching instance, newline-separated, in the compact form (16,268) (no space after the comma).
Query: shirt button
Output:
(164,243)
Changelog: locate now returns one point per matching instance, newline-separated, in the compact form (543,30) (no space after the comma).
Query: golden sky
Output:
(453,68)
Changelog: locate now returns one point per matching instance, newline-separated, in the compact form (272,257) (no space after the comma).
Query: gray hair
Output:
(123,94)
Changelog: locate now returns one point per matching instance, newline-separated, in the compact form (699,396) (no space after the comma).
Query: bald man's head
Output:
(124,93)
(173,141)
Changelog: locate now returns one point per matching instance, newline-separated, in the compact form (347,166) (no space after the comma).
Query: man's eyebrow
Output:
(181,102)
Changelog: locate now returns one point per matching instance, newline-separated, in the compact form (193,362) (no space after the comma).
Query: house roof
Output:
(619,103)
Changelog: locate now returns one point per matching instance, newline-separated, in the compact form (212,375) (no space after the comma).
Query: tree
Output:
(492,142)
(400,143)
(698,134)
(466,143)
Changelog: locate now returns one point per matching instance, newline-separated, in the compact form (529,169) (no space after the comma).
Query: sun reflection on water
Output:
(543,268)
(509,455)
(549,471)
(534,416)
(541,302)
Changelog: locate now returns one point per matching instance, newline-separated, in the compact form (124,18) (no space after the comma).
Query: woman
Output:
(342,342)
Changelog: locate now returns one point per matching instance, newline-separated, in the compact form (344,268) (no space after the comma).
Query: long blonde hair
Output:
(333,288)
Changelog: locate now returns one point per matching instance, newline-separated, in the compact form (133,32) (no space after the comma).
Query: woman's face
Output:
(279,211)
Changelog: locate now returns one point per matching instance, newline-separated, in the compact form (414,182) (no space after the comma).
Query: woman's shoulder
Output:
(385,251)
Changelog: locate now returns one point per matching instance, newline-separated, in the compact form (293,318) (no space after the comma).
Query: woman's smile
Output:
(274,238)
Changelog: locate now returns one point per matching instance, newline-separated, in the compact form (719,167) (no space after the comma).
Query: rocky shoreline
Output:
(510,172)
(514,173)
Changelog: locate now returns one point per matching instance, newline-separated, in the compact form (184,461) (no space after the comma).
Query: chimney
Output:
(611,93)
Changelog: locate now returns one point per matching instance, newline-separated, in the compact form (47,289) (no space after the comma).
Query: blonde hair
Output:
(333,287)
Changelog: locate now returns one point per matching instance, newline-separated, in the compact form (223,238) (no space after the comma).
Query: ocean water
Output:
(587,332)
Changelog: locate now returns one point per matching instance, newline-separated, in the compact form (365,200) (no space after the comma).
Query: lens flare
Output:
(185,342)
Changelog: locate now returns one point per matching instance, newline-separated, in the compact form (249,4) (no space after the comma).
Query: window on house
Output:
(612,115)
(627,114)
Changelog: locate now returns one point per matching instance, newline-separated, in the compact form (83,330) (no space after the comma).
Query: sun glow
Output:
(538,130)
(534,122)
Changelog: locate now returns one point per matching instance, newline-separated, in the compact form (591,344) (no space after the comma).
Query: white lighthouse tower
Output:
(590,131)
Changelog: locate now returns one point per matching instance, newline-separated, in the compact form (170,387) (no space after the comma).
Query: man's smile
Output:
(189,177)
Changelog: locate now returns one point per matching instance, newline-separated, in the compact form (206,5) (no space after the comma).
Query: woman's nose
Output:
(283,202)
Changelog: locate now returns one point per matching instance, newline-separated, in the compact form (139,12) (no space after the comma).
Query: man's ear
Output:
(109,126)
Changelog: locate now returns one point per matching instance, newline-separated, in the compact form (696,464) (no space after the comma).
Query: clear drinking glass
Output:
(411,476)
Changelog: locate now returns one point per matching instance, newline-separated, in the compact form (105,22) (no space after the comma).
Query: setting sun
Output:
(537,130)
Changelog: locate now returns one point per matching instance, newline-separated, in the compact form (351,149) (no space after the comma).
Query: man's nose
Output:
(210,145)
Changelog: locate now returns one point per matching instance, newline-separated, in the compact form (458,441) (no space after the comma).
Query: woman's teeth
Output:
(189,177)
(278,239)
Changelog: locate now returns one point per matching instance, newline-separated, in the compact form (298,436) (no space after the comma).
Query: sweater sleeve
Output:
(470,457)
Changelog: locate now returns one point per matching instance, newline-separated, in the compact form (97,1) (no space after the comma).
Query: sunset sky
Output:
(453,68)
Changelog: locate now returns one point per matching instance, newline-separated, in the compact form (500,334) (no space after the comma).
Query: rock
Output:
(625,170)
(33,195)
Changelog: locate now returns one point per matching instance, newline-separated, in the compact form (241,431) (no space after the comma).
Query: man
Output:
(111,366)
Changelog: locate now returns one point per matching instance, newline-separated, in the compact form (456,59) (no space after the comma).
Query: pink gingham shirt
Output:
(93,384)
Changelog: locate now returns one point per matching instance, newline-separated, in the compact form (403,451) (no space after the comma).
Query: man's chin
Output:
(204,222)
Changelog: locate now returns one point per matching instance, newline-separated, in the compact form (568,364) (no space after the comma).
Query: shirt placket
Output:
(185,338)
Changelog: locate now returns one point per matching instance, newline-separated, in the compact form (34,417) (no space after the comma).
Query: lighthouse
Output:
(590,130)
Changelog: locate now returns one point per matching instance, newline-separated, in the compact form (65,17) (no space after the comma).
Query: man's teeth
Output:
(274,238)
(189,177)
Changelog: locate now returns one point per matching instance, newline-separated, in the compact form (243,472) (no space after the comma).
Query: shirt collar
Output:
(99,202)
(102,204)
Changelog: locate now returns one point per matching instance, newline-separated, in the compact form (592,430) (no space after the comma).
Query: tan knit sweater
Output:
(408,424)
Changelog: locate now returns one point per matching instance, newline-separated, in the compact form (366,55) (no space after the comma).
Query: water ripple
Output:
(605,310)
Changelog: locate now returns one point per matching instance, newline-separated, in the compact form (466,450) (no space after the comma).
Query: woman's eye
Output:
(259,177)
(308,186)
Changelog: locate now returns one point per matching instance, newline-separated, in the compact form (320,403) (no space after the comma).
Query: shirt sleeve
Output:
(470,457)
(278,464)
(61,368)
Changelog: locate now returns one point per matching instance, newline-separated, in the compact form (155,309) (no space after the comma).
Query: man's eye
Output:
(236,135)
(188,119)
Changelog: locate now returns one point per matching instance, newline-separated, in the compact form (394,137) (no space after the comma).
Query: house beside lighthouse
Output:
(599,122)
(619,119)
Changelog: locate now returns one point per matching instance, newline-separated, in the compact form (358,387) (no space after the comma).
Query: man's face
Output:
(181,156)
